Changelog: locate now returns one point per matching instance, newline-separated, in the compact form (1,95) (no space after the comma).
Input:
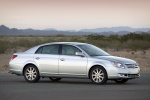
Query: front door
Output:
(70,64)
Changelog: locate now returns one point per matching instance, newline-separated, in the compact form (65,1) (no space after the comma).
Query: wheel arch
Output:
(97,66)
(28,65)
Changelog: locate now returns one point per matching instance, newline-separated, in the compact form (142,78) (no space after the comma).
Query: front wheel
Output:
(31,74)
(98,75)
(55,78)
(121,81)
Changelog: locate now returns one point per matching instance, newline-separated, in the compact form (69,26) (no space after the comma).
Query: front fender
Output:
(92,63)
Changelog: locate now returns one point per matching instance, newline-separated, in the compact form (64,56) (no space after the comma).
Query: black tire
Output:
(121,81)
(31,74)
(55,78)
(98,75)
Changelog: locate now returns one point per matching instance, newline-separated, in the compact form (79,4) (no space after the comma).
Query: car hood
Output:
(116,59)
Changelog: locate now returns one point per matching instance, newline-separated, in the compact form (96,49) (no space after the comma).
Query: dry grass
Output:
(4,62)
(142,57)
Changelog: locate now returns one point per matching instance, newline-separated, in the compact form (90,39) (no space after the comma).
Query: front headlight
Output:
(118,64)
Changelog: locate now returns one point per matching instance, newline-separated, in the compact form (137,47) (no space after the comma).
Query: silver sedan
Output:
(59,60)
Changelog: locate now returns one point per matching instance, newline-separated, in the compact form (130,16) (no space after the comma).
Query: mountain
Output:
(4,30)
(116,29)
(49,29)
(14,31)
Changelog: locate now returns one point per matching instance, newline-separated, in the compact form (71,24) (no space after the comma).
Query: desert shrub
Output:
(130,41)
(137,45)
(114,37)
(3,46)
(60,35)
(95,37)
(134,36)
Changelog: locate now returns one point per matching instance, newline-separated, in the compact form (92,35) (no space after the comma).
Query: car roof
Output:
(33,49)
(71,43)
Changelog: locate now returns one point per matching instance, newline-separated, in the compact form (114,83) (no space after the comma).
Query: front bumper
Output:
(129,76)
(127,73)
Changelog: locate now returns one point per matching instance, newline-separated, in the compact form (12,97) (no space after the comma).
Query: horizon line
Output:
(73,29)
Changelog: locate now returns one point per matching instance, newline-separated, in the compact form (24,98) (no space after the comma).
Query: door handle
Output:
(37,58)
(62,59)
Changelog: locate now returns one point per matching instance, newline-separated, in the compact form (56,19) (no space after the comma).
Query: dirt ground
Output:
(142,57)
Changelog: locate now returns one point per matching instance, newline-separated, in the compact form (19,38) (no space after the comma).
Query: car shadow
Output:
(72,81)
(80,82)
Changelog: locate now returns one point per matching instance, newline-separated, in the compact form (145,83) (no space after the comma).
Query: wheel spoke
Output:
(30,68)
(93,75)
(97,71)
(101,74)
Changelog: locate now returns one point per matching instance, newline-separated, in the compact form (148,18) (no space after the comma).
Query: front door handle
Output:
(62,59)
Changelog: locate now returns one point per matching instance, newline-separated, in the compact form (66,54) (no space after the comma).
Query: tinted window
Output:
(93,50)
(69,50)
(49,49)
(39,51)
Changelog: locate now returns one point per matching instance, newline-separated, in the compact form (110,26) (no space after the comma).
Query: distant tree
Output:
(95,37)
(114,37)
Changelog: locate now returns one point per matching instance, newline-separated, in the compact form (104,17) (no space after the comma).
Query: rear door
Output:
(47,58)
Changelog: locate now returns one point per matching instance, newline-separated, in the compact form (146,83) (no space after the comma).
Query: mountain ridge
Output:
(4,30)
(117,29)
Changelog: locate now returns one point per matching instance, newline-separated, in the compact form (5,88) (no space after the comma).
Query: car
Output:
(59,60)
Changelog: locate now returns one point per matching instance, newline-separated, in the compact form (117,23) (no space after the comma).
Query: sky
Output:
(74,14)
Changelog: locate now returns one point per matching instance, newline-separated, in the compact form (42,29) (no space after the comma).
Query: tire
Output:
(55,78)
(31,74)
(121,81)
(98,75)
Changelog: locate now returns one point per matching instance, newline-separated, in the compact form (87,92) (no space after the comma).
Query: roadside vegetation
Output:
(132,46)
(132,41)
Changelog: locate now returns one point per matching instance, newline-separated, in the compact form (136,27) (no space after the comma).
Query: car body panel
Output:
(72,65)
(47,63)
(114,58)
(50,65)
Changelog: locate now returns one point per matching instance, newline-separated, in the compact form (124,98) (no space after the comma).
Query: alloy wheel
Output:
(98,75)
(31,74)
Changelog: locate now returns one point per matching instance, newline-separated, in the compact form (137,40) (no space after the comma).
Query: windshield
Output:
(93,50)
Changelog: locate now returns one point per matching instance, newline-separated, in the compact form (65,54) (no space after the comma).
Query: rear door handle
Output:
(37,58)
(62,59)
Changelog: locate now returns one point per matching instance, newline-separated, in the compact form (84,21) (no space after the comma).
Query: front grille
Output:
(133,75)
(129,75)
(131,65)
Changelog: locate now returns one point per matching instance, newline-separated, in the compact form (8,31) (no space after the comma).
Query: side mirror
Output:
(80,54)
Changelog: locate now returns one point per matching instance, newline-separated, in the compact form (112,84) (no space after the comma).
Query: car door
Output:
(70,64)
(47,59)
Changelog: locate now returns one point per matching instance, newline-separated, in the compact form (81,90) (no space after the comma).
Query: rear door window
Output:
(48,49)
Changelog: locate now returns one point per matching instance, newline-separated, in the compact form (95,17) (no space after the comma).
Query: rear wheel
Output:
(55,78)
(31,74)
(98,75)
(121,81)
